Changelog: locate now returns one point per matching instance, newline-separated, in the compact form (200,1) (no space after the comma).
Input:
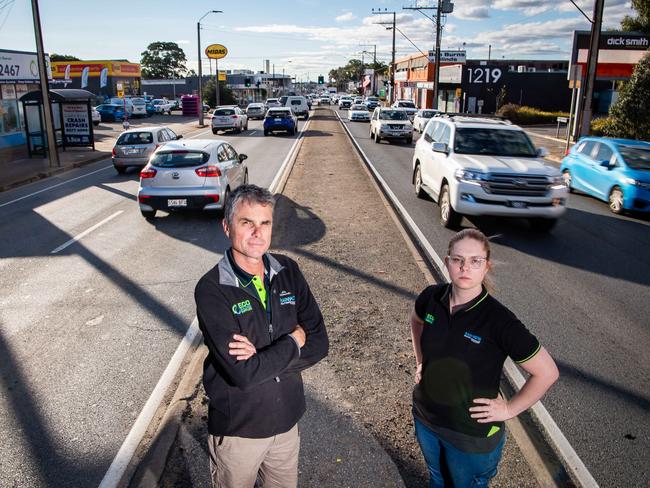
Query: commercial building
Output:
(105,78)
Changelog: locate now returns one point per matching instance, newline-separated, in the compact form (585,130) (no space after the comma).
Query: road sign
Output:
(120,93)
(216,51)
(222,75)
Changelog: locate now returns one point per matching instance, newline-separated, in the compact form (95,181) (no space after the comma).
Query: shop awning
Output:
(60,95)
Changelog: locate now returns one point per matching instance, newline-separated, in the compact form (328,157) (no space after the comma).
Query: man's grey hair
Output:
(249,194)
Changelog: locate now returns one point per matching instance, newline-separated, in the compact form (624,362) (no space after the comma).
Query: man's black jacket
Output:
(263,396)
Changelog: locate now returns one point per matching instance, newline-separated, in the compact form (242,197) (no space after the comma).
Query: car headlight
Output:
(557,183)
(471,176)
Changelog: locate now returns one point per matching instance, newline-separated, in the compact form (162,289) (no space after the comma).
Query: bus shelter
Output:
(72,115)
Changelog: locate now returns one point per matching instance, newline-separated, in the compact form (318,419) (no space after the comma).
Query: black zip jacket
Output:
(262,396)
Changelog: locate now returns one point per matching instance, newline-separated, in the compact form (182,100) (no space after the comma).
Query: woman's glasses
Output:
(474,262)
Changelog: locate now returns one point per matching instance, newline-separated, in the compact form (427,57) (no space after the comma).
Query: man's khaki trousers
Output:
(236,462)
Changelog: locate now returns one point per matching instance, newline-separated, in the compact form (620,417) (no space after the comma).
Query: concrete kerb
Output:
(550,432)
(149,470)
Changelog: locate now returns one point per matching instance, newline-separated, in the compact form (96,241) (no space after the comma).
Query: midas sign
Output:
(216,51)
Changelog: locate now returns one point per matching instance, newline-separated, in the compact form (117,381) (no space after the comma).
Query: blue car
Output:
(280,119)
(616,171)
(110,112)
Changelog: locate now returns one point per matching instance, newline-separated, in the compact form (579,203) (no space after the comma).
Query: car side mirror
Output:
(440,147)
(542,152)
(605,164)
(242,157)
(179,137)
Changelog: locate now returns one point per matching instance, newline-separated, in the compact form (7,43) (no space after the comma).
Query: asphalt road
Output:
(584,291)
(85,333)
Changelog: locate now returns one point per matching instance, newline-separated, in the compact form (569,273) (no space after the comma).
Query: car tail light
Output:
(215,198)
(143,198)
(148,173)
(208,171)
(113,153)
(234,116)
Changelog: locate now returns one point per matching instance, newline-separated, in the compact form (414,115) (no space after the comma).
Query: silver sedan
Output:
(194,175)
(134,147)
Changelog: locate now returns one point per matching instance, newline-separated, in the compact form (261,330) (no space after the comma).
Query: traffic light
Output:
(321,80)
(247,82)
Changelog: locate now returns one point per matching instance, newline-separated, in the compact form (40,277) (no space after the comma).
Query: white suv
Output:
(391,124)
(483,166)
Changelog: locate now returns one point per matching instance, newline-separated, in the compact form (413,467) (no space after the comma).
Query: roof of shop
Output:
(60,95)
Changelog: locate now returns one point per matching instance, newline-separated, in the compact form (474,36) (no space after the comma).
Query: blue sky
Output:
(303,37)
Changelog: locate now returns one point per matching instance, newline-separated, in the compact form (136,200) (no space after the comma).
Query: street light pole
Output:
(592,64)
(45,92)
(198,39)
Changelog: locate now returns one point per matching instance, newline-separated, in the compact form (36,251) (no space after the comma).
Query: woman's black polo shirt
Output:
(462,359)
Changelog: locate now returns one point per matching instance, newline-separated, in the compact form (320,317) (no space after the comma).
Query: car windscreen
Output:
(392,115)
(494,142)
(225,111)
(179,159)
(138,101)
(636,157)
(406,104)
(427,114)
(359,107)
(135,138)
(296,102)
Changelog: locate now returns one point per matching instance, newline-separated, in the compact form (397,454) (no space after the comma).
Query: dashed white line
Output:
(86,232)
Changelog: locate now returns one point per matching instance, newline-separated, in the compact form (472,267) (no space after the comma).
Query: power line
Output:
(10,4)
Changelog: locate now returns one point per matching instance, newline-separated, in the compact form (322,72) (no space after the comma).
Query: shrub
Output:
(601,126)
(523,115)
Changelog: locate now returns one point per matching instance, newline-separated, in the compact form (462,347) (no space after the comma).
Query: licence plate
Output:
(518,204)
(277,120)
(177,202)
(132,151)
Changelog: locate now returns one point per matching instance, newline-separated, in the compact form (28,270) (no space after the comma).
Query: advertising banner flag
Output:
(103,78)
(84,77)
(67,73)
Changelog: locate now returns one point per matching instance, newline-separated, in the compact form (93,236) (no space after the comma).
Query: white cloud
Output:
(528,7)
(346,17)
(472,9)
(182,41)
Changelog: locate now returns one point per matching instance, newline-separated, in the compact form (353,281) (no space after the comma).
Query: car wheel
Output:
(377,138)
(409,140)
(417,182)
(542,225)
(226,197)
(238,130)
(616,200)
(120,169)
(148,214)
(305,117)
(215,131)
(449,218)
(266,132)
(566,176)
(246,126)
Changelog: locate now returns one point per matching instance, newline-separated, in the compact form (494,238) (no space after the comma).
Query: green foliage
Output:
(629,115)
(353,71)
(600,126)
(163,60)
(523,115)
(62,57)
(640,23)
(226,96)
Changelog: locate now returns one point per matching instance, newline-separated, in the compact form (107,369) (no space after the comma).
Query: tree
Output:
(163,60)
(226,96)
(640,23)
(62,57)
(628,117)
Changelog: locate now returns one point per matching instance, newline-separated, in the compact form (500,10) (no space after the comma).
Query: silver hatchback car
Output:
(134,147)
(197,174)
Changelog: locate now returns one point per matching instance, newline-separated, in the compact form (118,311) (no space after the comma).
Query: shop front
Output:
(104,78)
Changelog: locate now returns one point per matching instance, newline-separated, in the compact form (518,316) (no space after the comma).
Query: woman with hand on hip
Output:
(461,338)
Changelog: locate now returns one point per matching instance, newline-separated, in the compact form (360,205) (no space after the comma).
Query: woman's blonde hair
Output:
(477,235)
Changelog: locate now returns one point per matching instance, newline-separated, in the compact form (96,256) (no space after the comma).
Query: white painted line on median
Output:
(278,176)
(86,232)
(54,186)
(251,133)
(573,463)
(127,450)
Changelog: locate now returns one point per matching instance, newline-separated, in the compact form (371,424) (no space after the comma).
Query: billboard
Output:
(618,53)
(21,67)
(449,57)
(75,69)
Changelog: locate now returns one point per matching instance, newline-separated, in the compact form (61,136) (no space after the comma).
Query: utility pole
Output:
(443,7)
(45,92)
(592,64)
(198,39)
(392,62)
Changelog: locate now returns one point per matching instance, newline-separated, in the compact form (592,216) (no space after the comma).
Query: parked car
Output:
(96,116)
(109,112)
(298,106)
(616,171)
(272,102)
(280,119)
(255,111)
(151,109)
(358,111)
(486,166)
(407,105)
(345,102)
(139,107)
(125,103)
(357,100)
(195,174)
(134,146)
(163,106)
(391,124)
(422,117)
(229,118)
(371,102)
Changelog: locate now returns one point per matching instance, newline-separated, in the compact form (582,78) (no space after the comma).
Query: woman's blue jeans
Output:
(449,466)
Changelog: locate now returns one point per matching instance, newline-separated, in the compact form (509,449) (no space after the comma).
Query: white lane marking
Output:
(200,134)
(251,133)
(55,186)
(573,463)
(86,232)
(278,176)
(127,450)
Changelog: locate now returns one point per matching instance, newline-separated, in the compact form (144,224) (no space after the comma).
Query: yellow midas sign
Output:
(216,51)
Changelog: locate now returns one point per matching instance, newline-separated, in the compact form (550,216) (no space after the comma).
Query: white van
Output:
(139,107)
(298,105)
